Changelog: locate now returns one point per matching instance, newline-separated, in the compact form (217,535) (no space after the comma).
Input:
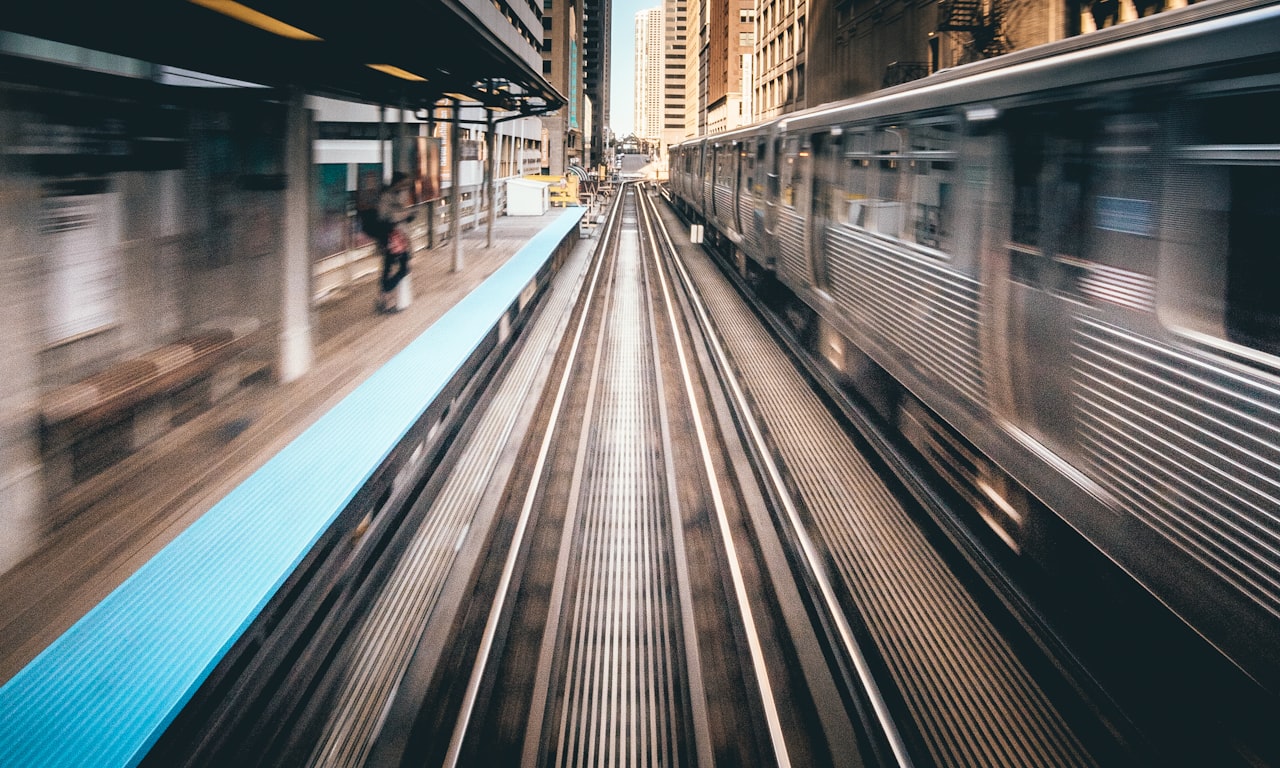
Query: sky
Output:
(622,63)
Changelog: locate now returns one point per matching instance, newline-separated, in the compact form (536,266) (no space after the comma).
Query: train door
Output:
(793,174)
(773,183)
(705,174)
(825,196)
(1046,181)
(745,198)
(722,185)
(695,178)
(739,173)
(713,166)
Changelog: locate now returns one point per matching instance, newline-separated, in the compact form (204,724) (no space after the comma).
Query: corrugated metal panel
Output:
(913,303)
(792,265)
(1193,449)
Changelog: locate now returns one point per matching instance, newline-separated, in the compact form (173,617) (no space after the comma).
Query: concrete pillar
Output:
(455,189)
(431,205)
(491,180)
(296,351)
(21,488)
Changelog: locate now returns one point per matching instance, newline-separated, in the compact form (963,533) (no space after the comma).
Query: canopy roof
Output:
(405,53)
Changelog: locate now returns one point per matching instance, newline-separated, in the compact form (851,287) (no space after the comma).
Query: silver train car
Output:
(1057,273)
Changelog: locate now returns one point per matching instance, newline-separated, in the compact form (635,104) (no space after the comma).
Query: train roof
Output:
(1179,40)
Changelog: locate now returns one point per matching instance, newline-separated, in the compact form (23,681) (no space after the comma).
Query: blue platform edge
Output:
(103,692)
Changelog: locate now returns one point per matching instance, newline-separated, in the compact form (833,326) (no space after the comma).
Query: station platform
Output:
(109,525)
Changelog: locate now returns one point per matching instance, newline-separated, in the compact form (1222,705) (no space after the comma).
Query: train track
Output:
(656,545)
(630,655)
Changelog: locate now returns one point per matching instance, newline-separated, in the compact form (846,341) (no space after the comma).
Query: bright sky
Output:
(622,64)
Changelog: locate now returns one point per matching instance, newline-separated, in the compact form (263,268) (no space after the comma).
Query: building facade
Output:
(859,46)
(599,15)
(563,56)
(649,75)
(731,36)
(781,55)
(695,73)
(675,59)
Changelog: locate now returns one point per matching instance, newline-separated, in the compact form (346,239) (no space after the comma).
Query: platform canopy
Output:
(396,52)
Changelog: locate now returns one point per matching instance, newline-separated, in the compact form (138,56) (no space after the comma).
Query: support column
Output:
(491,173)
(384,155)
(22,490)
(431,204)
(455,192)
(296,352)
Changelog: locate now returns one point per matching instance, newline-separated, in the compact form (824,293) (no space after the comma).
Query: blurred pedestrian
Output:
(393,213)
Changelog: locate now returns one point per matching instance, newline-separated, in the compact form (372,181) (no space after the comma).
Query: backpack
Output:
(370,224)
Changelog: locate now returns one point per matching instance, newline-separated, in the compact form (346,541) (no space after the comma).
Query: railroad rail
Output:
(652,542)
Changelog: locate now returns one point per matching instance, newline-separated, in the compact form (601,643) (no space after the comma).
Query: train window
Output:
(1220,274)
(1049,182)
(827,202)
(856,181)
(1121,206)
(790,172)
(1253,271)
(889,148)
(878,173)
(1027,159)
(933,160)
(757,161)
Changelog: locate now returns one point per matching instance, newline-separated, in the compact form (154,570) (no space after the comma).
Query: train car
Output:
(1059,269)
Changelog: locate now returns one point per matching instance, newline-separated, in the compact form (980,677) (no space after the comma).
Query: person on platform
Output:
(393,214)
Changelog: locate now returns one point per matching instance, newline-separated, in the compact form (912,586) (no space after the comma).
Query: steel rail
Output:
(862,667)
(620,700)
(489,636)
(776,736)
(542,679)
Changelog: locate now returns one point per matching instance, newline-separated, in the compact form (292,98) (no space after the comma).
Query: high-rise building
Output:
(599,15)
(563,53)
(675,52)
(730,36)
(780,56)
(859,46)
(649,75)
(695,73)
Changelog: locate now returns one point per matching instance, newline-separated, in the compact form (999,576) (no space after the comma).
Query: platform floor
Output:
(106,527)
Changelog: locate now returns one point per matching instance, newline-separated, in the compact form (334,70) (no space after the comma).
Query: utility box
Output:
(526,197)
(564,189)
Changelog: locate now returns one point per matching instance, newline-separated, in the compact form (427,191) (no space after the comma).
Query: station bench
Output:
(90,424)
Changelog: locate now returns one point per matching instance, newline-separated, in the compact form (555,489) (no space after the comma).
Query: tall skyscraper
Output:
(675,60)
(695,70)
(730,36)
(649,75)
(562,65)
(596,27)
(779,61)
